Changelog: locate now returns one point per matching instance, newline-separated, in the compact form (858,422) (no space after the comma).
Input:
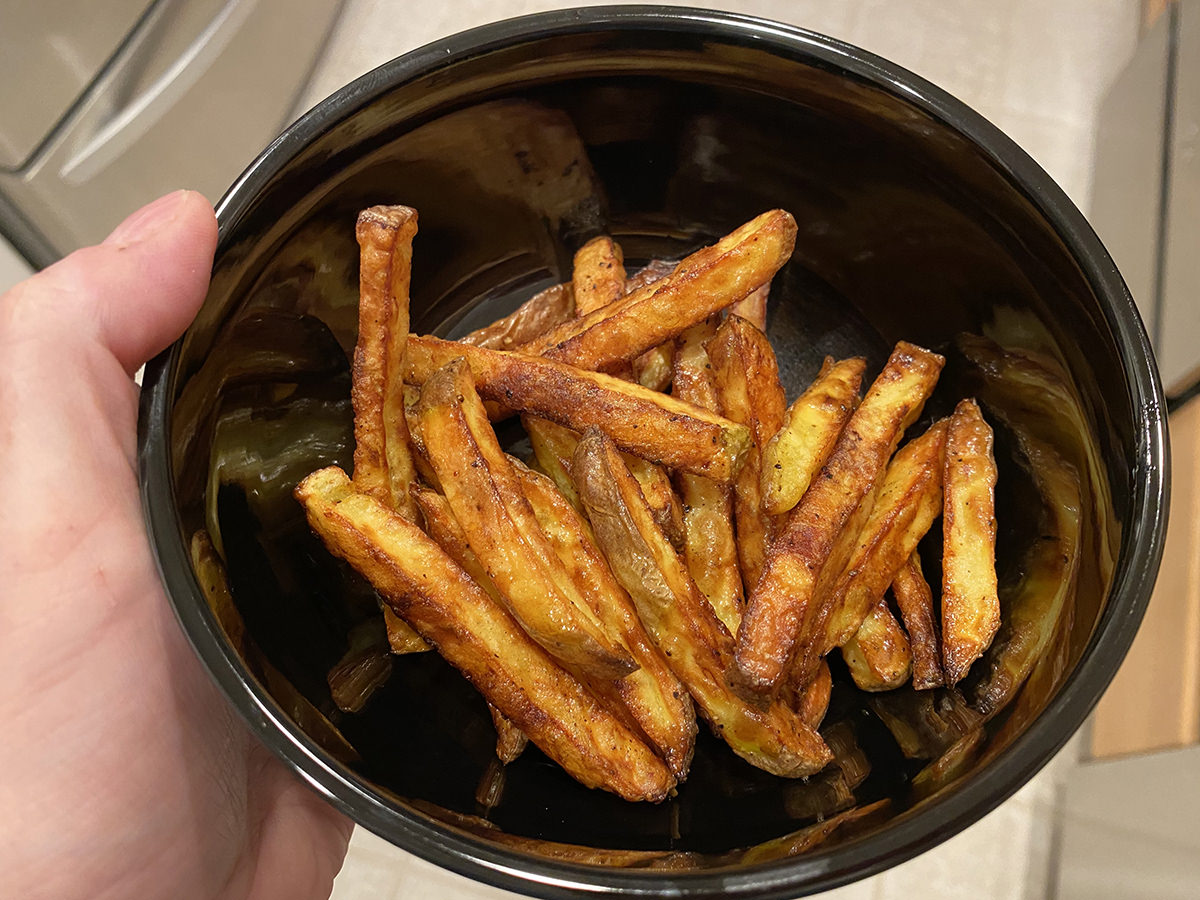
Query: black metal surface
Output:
(665,128)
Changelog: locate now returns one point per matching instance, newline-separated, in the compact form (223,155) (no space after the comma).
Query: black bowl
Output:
(666,128)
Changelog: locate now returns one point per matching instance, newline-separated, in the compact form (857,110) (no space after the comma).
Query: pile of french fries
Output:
(662,552)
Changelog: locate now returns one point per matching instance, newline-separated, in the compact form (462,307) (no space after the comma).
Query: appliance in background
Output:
(110,104)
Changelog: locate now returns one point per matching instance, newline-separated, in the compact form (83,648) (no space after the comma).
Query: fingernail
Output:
(148,220)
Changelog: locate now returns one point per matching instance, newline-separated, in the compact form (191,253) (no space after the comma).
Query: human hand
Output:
(123,772)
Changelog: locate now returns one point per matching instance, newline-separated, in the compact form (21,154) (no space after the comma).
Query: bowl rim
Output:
(913,831)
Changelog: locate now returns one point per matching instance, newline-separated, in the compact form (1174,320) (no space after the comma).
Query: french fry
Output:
(970,603)
(684,627)
(510,740)
(533,318)
(747,379)
(383,463)
(878,654)
(811,427)
(908,502)
(753,307)
(401,637)
(915,602)
(599,275)
(659,704)
(487,501)
(814,699)
(640,421)
(479,638)
(814,537)
(653,368)
(553,447)
(705,282)
(710,544)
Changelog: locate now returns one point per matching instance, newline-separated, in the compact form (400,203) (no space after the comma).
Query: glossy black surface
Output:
(665,128)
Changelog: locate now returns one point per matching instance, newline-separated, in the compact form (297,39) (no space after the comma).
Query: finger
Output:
(136,292)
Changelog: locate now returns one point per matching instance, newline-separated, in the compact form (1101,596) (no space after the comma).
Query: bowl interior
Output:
(665,134)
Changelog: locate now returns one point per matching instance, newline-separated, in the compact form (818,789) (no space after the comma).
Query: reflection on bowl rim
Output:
(907,834)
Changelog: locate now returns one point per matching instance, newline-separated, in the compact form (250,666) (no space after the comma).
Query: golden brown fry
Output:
(747,379)
(500,526)
(705,282)
(599,275)
(970,604)
(653,368)
(401,637)
(684,627)
(915,602)
(479,638)
(753,307)
(658,703)
(878,655)
(814,537)
(814,700)
(533,318)
(710,545)
(660,496)
(905,507)
(383,463)
(510,740)
(640,421)
(811,427)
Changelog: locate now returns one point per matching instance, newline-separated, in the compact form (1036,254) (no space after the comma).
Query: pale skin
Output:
(123,772)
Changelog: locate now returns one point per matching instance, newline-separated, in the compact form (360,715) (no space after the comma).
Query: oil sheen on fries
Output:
(479,638)
(878,655)
(698,647)
(815,533)
(970,603)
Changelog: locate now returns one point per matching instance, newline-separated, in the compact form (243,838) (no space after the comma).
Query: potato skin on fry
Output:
(705,282)
(599,275)
(383,462)
(810,429)
(640,421)
(814,537)
(486,499)
(681,623)
(479,638)
(915,602)
(970,602)
(534,317)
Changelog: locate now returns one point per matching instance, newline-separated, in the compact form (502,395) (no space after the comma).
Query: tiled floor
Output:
(1038,71)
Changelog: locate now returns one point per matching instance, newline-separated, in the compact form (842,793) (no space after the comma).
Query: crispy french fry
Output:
(653,368)
(878,655)
(753,307)
(640,421)
(599,275)
(487,501)
(747,379)
(510,740)
(814,537)
(705,282)
(908,502)
(684,627)
(710,544)
(915,601)
(479,638)
(383,462)
(970,603)
(814,700)
(553,447)
(533,318)
(659,704)
(401,637)
(811,427)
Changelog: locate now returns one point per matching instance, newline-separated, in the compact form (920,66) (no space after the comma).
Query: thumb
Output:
(137,291)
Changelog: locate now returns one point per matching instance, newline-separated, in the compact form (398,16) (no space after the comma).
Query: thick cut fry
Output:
(653,368)
(684,627)
(814,537)
(747,379)
(659,704)
(908,502)
(707,281)
(970,603)
(643,422)
(499,524)
(878,655)
(383,463)
(599,275)
(533,318)
(709,545)
(479,638)
(753,307)
(401,637)
(553,448)
(811,427)
(915,602)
